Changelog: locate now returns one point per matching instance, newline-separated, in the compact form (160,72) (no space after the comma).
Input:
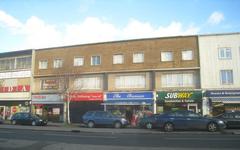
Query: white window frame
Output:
(118,59)
(225,53)
(177,80)
(164,58)
(138,57)
(122,81)
(92,58)
(84,83)
(43,64)
(186,53)
(229,77)
(57,63)
(78,63)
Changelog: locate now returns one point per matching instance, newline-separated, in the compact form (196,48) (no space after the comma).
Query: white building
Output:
(220,72)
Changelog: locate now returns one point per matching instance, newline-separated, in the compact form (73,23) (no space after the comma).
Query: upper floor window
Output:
(24,62)
(177,80)
(88,83)
(78,61)
(118,59)
(166,56)
(138,57)
(130,81)
(7,64)
(187,55)
(43,64)
(95,60)
(225,53)
(57,63)
(226,76)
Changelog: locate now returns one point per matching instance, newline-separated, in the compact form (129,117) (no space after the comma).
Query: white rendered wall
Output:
(210,64)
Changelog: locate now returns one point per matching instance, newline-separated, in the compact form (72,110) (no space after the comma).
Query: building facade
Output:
(220,71)
(118,76)
(15,82)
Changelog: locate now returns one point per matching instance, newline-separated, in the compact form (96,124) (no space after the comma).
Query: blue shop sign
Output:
(130,96)
(223,93)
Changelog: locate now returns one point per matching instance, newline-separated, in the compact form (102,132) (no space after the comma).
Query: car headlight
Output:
(220,122)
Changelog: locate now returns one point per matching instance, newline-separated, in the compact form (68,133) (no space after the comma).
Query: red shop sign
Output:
(86,96)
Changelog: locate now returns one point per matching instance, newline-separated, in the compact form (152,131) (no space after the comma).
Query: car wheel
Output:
(14,122)
(90,124)
(168,127)
(117,124)
(33,123)
(148,125)
(212,127)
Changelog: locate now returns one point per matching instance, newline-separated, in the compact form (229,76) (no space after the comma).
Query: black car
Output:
(231,119)
(27,119)
(188,120)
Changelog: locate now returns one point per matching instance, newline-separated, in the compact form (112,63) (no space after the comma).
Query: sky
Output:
(34,24)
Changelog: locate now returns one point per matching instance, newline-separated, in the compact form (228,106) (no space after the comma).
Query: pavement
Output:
(62,127)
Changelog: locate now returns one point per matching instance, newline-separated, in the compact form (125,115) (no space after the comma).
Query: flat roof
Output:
(16,53)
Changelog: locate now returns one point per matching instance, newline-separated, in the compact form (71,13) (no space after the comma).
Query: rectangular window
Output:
(43,64)
(78,61)
(57,63)
(225,53)
(132,81)
(177,80)
(118,59)
(226,76)
(138,57)
(187,55)
(7,64)
(24,62)
(88,83)
(166,56)
(95,60)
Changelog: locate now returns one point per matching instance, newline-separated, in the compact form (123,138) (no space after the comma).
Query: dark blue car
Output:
(93,118)
(187,120)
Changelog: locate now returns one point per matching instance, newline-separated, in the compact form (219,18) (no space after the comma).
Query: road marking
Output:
(205,139)
(81,136)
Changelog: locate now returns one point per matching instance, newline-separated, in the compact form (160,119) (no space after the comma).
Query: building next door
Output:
(2,111)
(193,107)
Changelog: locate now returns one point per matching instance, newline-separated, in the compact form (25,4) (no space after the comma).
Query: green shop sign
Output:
(179,96)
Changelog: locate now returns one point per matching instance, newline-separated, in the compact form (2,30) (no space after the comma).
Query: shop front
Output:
(221,101)
(14,99)
(81,102)
(129,104)
(48,106)
(179,100)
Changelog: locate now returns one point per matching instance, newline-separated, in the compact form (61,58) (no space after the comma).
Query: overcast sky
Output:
(32,24)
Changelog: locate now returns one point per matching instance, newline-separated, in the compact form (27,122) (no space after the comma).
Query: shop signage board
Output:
(223,93)
(50,84)
(130,96)
(79,96)
(18,88)
(46,98)
(17,74)
(179,96)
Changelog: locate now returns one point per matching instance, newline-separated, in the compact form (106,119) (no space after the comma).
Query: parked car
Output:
(27,119)
(148,122)
(93,118)
(231,119)
(1,120)
(188,120)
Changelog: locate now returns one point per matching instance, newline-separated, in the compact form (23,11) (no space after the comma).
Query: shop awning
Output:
(226,100)
(128,102)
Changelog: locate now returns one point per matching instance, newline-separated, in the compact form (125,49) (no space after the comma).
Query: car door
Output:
(195,121)
(229,119)
(178,119)
(236,122)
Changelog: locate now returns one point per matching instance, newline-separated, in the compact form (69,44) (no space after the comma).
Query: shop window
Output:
(138,57)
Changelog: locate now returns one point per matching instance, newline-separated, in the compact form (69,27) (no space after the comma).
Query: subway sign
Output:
(179,96)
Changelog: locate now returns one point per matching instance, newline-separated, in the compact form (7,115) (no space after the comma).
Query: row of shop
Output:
(51,106)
